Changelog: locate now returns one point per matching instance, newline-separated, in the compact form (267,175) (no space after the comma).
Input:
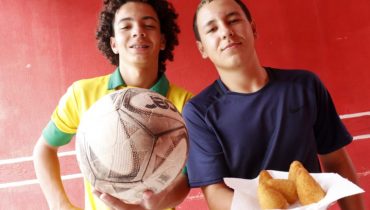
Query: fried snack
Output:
(264,176)
(286,187)
(270,199)
(308,190)
(294,166)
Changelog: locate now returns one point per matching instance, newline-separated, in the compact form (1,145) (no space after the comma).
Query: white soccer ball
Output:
(130,141)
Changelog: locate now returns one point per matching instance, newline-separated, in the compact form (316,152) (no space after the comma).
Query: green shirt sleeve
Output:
(185,171)
(54,136)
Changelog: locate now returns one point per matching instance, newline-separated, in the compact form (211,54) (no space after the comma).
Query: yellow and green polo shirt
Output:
(78,99)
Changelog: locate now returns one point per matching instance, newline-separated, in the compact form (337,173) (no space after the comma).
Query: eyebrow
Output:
(143,18)
(227,16)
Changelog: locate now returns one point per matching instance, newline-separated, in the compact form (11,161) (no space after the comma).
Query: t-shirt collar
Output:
(161,86)
(223,89)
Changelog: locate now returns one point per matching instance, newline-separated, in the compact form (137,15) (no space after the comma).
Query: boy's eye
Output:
(125,27)
(149,26)
(234,20)
(212,29)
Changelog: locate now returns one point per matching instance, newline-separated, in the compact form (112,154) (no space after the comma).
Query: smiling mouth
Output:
(138,46)
(231,45)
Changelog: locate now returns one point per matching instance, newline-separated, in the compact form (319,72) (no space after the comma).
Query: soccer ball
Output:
(130,141)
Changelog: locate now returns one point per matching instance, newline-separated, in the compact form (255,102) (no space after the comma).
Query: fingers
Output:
(147,195)
(106,198)
(150,201)
(110,200)
(115,203)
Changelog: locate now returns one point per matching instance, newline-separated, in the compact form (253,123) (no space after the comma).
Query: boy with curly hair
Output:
(137,36)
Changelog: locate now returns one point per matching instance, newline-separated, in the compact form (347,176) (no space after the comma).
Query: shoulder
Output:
(291,74)
(205,99)
(295,76)
(179,91)
(92,82)
(178,96)
(84,92)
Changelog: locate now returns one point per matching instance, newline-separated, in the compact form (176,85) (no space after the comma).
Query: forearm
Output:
(47,170)
(347,170)
(218,196)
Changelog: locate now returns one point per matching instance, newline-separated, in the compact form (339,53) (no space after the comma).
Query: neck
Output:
(245,79)
(142,77)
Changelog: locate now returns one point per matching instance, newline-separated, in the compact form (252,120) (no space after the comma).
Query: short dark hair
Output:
(242,5)
(168,26)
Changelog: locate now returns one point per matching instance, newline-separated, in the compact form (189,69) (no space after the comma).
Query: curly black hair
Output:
(167,18)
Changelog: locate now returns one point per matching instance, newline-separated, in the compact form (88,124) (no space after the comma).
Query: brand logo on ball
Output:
(160,103)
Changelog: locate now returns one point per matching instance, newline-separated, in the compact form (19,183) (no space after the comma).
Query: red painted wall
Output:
(46,45)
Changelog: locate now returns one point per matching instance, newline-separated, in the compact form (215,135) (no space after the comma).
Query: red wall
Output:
(45,45)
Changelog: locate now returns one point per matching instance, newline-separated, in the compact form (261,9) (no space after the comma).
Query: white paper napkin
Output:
(335,186)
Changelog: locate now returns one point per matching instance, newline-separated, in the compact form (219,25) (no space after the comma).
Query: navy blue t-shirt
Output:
(237,135)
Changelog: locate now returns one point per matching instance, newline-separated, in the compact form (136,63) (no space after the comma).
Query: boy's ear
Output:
(254,28)
(201,49)
(113,45)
